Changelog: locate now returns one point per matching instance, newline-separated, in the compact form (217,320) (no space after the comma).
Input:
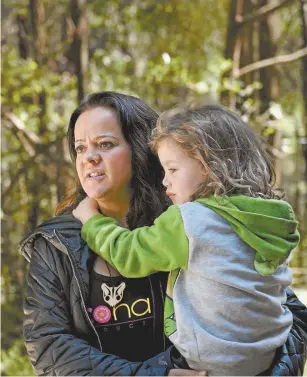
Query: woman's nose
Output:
(91,156)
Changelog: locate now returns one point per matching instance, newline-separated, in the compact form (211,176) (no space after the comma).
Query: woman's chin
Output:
(95,194)
(94,190)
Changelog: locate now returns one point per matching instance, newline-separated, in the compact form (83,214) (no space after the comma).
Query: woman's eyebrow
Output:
(98,137)
(106,135)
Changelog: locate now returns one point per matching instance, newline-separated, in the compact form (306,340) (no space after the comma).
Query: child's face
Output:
(182,173)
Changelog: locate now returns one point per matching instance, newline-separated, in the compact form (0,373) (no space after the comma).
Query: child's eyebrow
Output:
(166,162)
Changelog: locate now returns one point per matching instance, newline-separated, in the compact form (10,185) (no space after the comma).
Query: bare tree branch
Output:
(25,143)
(41,165)
(18,123)
(269,62)
(261,12)
(32,143)
(14,178)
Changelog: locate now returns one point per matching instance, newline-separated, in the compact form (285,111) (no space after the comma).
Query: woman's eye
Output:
(106,145)
(79,149)
(172,170)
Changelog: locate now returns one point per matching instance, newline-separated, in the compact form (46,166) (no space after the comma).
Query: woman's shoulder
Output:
(58,231)
(61,223)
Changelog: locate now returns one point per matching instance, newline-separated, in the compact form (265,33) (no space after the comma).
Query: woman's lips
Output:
(96,178)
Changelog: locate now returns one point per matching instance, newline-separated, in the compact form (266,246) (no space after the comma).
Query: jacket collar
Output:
(67,227)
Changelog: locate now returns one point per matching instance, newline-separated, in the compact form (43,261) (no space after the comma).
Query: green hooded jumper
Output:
(224,309)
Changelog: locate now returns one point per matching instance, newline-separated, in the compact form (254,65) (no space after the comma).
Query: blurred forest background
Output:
(249,55)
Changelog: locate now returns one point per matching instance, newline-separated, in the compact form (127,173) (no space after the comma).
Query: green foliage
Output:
(33,93)
(165,52)
(158,50)
(15,362)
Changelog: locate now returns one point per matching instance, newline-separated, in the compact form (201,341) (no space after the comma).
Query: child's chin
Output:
(177,201)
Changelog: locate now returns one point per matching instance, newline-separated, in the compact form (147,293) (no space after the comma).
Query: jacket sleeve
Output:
(54,347)
(291,357)
(161,247)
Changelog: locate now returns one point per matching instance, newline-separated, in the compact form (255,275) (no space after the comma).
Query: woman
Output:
(79,313)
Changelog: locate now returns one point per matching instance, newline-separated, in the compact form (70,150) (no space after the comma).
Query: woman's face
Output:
(103,156)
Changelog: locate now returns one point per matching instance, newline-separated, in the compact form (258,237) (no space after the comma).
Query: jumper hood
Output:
(266,225)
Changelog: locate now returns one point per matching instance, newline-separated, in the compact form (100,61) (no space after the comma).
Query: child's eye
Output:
(106,145)
(172,170)
(79,149)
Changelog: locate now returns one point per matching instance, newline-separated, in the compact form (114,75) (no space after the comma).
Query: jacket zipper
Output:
(157,312)
(154,306)
(83,306)
(162,300)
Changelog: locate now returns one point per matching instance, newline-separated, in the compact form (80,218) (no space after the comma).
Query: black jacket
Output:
(57,328)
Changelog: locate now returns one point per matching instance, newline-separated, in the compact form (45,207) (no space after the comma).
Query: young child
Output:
(226,241)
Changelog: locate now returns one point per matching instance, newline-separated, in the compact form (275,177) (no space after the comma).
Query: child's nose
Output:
(165,181)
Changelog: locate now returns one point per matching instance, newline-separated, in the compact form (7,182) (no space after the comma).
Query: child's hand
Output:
(86,209)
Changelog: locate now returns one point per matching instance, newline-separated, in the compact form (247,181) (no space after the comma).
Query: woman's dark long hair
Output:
(137,120)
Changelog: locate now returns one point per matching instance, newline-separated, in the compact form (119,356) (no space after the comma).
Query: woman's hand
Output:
(186,372)
(86,209)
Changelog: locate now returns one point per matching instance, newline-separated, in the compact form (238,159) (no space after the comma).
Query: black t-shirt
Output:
(122,312)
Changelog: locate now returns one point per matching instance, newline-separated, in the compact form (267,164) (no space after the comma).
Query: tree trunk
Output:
(39,40)
(61,172)
(232,46)
(36,182)
(78,54)
(269,32)
(244,20)
(303,8)
(23,44)
(247,54)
